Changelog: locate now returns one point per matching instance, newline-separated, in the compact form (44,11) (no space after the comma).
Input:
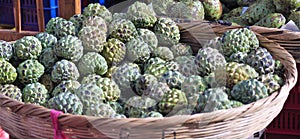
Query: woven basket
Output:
(30,121)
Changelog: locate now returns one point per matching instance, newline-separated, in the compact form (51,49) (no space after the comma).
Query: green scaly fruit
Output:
(167,31)
(6,50)
(157,90)
(295,17)
(95,9)
(109,87)
(212,99)
(215,43)
(137,51)
(92,38)
(213,9)
(153,114)
(90,95)
(235,104)
(110,71)
(125,74)
(153,61)
(117,107)
(279,68)
(173,79)
(236,12)
(286,6)
(100,110)
(66,86)
(92,63)
(172,101)
(64,70)
(262,60)
(69,48)
(122,29)
(47,40)
(148,37)
(11,91)
(66,102)
(114,51)
(8,73)
(64,28)
(118,16)
(209,59)
(274,20)
(156,69)
(47,82)
(239,40)
(142,15)
(248,91)
(181,49)
(51,25)
(187,66)
(77,20)
(164,53)
(95,21)
(172,65)
(48,58)
(137,106)
(30,71)
(190,10)
(160,6)
(143,83)
(35,93)
(239,57)
(272,81)
(28,47)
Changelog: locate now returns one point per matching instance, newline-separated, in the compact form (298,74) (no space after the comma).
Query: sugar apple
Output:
(137,51)
(273,20)
(248,91)
(164,53)
(273,82)
(172,101)
(174,79)
(157,69)
(123,30)
(160,6)
(77,20)
(91,63)
(239,57)
(235,103)
(95,9)
(8,73)
(152,114)
(6,50)
(181,49)
(117,107)
(100,110)
(35,93)
(156,91)
(30,71)
(286,6)
(66,102)
(47,40)
(143,83)
(148,37)
(187,65)
(137,106)
(95,21)
(142,15)
(66,86)
(52,23)
(11,91)
(213,9)
(110,71)
(64,70)
(190,10)
(47,82)
(117,16)
(125,74)
(114,51)
(64,28)
(48,58)
(167,31)
(215,43)
(153,61)
(28,47)
(69,48)
(92,38)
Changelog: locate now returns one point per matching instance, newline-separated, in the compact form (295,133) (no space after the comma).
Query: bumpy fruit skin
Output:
(77,20)
(272,81)
(91,63)
(152,114)
(137,51)
(6,50)
(117,107)
(66,102)
(157,90)
(114,51)
(167,31)
(141,15)
(143,83)
(11,91)
(117,16)
(47,40)
(193,10)
(274,20)
(215,43)
(110,71)
(64,28)
(209,59)
(295,17)
(187,65)
(235,104)
(100,110)
(239,40)
(233,13)
(30,71)
(261,60)
(174,79)
(69,47)
(109,87)
(213,9)
(181,49)
(286,6)
(64,70)
(51,25)
(248,91)
(160,6)
(28,47)
(92,38)
(136,106)
(90,95)
(123,30)
(156,69)
(47,82)
(66,86)
(95,21)
(164,53)
(95,9)
(35,93)
(48,58)
(125,74)
(8,73)
(239,57)
(172,101)
(212,99)
(148,37)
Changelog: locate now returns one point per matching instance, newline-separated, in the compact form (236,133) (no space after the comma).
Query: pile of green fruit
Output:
(266,13)
(123,65)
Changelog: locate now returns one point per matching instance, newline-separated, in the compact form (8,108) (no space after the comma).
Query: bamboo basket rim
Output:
(204,125)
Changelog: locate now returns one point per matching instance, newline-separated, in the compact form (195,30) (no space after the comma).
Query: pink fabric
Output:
(54,117)
(3,134)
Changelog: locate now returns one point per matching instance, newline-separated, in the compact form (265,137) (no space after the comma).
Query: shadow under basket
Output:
(30,121)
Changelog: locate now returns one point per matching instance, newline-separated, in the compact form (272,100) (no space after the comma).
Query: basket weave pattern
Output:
(30,121)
